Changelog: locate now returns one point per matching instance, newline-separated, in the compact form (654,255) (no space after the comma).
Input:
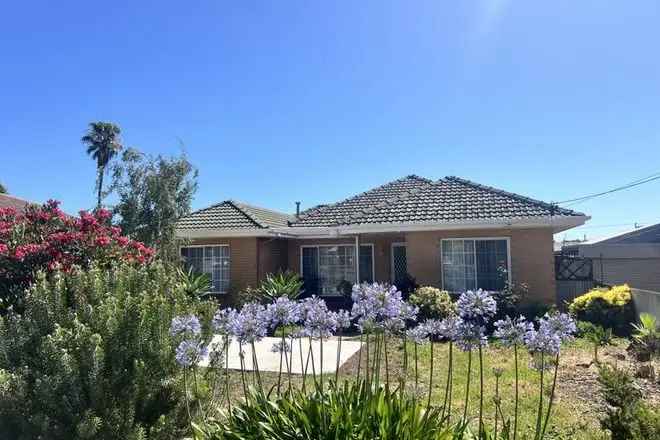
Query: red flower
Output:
(103,214)
(102,240)
(123,241)
(115,231)
(3,248)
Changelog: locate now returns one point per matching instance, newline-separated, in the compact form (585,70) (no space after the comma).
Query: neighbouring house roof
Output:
(233,215)
(7,201)
(645,235)
(411,201)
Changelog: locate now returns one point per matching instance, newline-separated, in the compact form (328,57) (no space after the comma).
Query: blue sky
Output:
(314,101)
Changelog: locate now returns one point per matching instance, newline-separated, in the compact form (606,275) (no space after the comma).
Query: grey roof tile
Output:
(231,214)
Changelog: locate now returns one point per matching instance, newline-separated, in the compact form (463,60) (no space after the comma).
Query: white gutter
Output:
(557,223)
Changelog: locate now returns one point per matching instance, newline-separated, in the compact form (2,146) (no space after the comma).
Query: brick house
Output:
(451,233)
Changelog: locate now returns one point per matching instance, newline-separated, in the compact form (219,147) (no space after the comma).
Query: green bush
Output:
(91,357)
(608,307)
(627,416)
(433,303)
(352,411)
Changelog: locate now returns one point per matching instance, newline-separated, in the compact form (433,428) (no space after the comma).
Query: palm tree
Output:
(102,141)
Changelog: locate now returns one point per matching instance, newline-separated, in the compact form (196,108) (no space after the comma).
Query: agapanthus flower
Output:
(185,325)
(433,327)
(512,331)
(250,324)
(418,334)
(561,323)
(189,352)
(380,307)
(223,319)
(478,306)
(448,328)
(343,319)
(544,340)
(281,347)
(318,321)
(470,335)
(283,311)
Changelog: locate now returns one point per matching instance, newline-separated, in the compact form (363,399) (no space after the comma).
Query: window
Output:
(325,267)
(212,260)
(469,264)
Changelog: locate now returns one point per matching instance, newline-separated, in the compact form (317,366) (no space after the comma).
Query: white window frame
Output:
(357,255)
(221,292)
(474,250)
(392,246)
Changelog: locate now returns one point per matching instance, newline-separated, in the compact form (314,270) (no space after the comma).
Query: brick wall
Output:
(532,260)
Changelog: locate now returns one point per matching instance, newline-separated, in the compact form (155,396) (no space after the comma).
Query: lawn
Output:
(577,405)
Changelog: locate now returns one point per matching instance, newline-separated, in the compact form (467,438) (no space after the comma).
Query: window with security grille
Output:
(399,263)
(211,260)
(325,267)
(469,264)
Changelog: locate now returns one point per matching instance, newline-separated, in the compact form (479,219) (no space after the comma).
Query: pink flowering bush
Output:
(45,238)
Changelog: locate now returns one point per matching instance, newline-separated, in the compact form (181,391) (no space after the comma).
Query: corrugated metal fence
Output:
(646,301)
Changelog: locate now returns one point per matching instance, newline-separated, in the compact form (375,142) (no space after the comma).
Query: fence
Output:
(646,301)
(574,276)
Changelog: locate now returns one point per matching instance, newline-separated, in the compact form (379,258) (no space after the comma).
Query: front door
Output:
(399,262)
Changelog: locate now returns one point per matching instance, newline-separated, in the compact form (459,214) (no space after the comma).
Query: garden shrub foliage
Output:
(608,307)
(627,416)
(432,302)
(45,238)
(91,357)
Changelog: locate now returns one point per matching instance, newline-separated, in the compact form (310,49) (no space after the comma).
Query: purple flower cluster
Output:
(448,328)
(283,312)
(553,330)
(250,324)
(222,320)
(380,307)
(418,334)
(512,331)
(470,335)
(189,352)
(185,325)
(476,306)
(318,321)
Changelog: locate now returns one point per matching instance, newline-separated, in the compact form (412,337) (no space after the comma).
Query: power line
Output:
(632,184)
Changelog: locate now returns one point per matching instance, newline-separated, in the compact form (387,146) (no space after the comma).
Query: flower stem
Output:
(227,372)
(321,365)
(387,364)
(255,363)
(359,364)
(279,375)
(338,360)
(515,411)
(481,389)
(447,399)
(497,402)
(241,356)
(303,366)
(552,397)
(540,411)
(428,403)
(405,365)
(416,374)
(467,385)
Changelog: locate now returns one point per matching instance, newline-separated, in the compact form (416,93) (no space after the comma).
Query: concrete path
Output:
(270,361)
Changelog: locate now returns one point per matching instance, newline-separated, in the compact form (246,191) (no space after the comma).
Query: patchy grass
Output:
(577,406)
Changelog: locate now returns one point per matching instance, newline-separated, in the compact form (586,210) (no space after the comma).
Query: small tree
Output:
(102,142)
(153,192)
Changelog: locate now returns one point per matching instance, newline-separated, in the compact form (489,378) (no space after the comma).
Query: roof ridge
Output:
(551,206)
(401,197)
(236,204)
(323,207)
(251,206)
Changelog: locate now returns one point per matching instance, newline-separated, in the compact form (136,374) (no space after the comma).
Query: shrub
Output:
(91,357)
(407,284)
(627,417)
(352,411)
(595,334)
(646,335)
(287,284)
(44,238)
(608,307)
(433,303)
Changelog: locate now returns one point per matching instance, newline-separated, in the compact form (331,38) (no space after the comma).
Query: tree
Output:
(153,193)
(103,144)
(3,189)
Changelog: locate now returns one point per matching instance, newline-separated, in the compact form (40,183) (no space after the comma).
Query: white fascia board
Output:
(557,223)
(217,233)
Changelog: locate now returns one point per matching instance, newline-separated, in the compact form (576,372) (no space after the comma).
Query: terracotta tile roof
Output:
(231,214)
(413,199)
(7,201)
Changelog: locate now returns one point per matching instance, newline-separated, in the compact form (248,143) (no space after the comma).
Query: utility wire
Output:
(632,184)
